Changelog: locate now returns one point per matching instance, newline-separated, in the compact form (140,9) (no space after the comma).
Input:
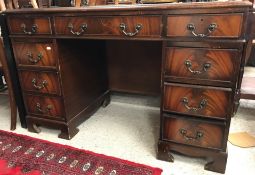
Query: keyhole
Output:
(202,19)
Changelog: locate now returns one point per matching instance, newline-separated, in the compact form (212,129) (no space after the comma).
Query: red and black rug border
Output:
(156,171)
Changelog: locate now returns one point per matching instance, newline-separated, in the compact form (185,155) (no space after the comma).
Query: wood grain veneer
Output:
(109,25)
(228,25)
(138,49)
(186,131)
(203,64)
(217,101)
(35,54)
(38,105)
(17,23)
(40,82)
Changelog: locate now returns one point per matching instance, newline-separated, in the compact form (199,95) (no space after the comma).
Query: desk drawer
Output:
(197,100)
(202,64)
(193,132)
(29,25)
(34,54)
(42,82)
(222,25)
(136,26)
(41,106)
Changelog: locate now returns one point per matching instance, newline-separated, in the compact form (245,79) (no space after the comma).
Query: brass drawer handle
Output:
(83,28)
(123,27)
(188,65)
(212,27)
(33,29)
(46,111)
(31,57)
(201,105)
(39,86)
(198,136)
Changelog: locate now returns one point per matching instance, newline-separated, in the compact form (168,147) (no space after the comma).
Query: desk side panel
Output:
(83,74)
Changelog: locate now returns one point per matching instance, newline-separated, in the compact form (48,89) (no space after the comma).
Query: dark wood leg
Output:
(13,116)
(217,162)
(32,127)
(238,88)
(236,102)
(164,154)
(9,83)
(12,104)
(107,100)
(68,132)
(13,71)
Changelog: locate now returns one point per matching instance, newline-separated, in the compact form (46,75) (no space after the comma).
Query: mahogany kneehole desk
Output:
(69,60)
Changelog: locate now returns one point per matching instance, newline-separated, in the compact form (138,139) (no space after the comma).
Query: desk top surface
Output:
(137,7)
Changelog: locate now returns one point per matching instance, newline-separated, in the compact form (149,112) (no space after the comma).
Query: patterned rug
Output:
(21,154)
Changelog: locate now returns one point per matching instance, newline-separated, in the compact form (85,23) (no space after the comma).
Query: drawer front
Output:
(136,26)
(193,132)
(34,54)
(197,100)
(42,106)
(42,82)
(222,25)
(29,25)
(202,64)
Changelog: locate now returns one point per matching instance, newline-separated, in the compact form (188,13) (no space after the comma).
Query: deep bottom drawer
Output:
(193,132)
(42,106)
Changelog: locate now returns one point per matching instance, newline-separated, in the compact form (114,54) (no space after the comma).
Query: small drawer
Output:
(205,65)
(197,100)
(34,54)
(29,25)
(221,25)
(131,26)
(42,106)
(42,82)
(193,132)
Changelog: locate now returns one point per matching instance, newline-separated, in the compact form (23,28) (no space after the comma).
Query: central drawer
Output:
(200,101)
(130,26)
